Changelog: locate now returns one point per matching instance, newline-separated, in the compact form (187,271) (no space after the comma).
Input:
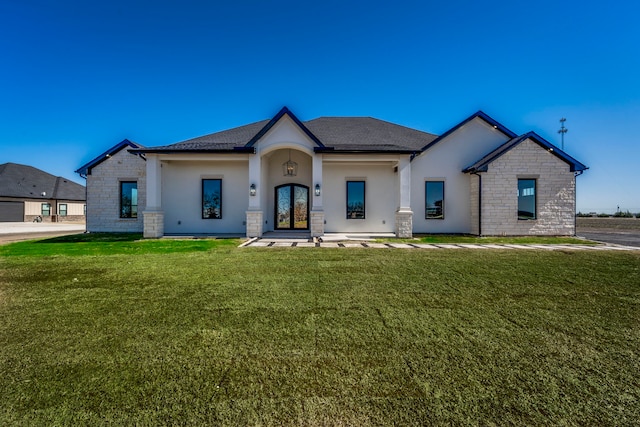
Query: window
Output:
(62,209)
(434,199)
(211,198)
(355,199)
(526,199)
(128,199)
(46,209)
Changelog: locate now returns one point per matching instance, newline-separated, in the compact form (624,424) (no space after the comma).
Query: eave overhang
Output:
(234,150)
(482,165)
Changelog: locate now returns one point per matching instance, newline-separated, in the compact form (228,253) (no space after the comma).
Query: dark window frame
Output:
(426,200)
(292,200)
(129,213)
(352,211)
(47,211)
(205,208)
(534,216)
(62,212)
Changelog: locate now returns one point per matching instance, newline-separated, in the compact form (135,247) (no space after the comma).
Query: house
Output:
(28,194)
(337,175)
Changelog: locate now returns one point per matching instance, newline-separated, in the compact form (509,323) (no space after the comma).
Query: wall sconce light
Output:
(252,190)
(317,189)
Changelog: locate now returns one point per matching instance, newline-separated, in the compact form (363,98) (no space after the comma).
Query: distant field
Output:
(610,223)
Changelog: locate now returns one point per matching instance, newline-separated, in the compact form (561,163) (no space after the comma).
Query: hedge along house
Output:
(336,175)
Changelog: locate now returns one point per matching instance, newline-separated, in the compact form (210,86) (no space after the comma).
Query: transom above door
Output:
(292,207)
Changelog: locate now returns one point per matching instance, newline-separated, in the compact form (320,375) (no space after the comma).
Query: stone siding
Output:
(153,224)
(317,223)
(474,196)
(404,224)
(254,223)
(103,193)
(555,193)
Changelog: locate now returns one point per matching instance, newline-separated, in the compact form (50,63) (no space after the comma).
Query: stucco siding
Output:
(380,197)
(555,193)
(445,162)
(103,193)
(182,196)
(273,177)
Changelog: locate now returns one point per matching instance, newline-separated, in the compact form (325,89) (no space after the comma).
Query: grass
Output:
(246,336)
(459,238)
(98,244)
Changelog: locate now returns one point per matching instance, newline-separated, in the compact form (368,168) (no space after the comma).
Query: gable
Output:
(482,165)
(477,117)
(463,145)
(285,132)
(85,169)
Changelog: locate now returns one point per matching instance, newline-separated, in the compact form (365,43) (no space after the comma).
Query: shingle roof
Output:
(482,165)
(333,134)
(27,182)
(367,134)
(220,141)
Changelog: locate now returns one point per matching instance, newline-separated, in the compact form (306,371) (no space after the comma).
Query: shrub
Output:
(583,215)
(603,215)
(621,214)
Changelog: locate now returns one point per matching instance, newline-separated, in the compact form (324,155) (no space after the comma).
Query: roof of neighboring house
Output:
(331,134)
(482,165)
(27,182)
(85,169)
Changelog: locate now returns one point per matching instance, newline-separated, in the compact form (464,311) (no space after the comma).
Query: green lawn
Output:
(205,333)
(456,238)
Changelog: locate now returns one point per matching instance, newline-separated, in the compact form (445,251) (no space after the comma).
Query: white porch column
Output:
(254,214)
(317,212)
(153,216)
(404,215)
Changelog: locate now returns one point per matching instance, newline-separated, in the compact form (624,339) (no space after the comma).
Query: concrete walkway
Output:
(305,243)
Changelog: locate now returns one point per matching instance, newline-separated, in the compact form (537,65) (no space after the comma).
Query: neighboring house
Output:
(28,194)
(337,174)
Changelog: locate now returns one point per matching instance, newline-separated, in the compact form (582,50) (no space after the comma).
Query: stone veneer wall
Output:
(103,193)
(153,225)
(404,224)
(474,197)
(317,223)
(254,223)
(555,193)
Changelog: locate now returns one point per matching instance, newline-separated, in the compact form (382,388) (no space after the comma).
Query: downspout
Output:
(479,202)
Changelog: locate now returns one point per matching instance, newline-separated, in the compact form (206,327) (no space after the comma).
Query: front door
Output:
(292,207)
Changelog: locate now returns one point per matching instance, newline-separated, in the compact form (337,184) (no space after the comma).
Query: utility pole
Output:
(562,131)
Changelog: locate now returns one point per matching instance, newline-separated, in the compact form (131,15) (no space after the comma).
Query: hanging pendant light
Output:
(290,168)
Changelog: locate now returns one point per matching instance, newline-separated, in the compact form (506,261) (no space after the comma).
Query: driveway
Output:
(18,231)
(608,235)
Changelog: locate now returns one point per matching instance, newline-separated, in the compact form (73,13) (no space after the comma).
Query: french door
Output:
(292,207)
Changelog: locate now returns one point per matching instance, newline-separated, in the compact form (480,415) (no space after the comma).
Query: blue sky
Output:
(80,76)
